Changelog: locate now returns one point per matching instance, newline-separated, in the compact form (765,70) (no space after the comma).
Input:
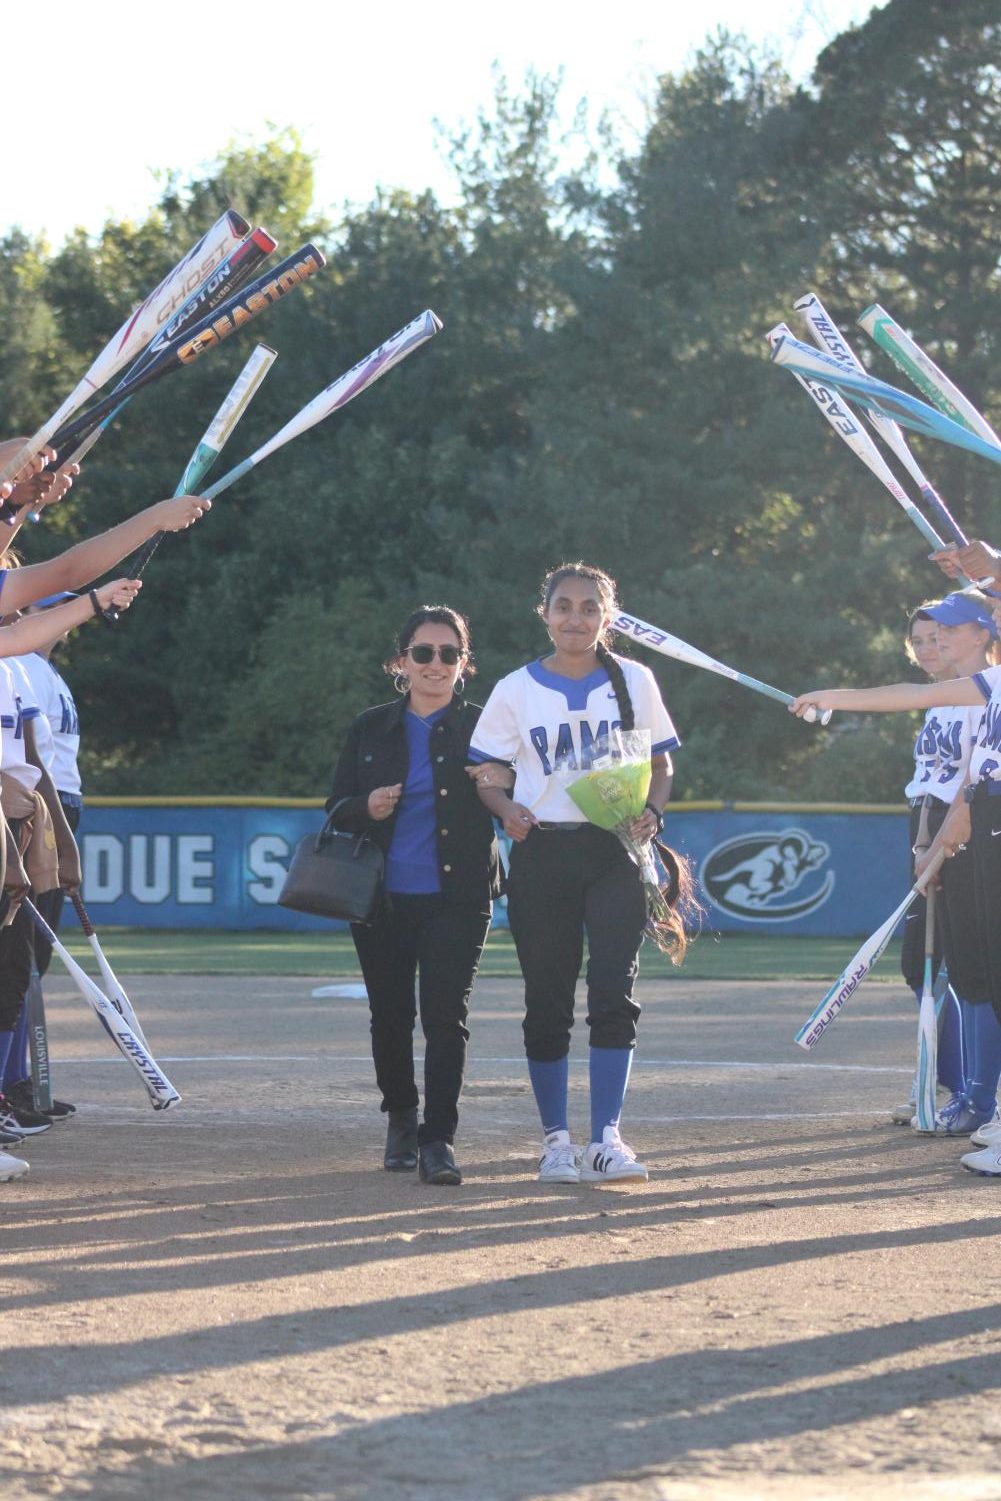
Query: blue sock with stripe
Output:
(951,1073)
(6,1042)
(982,1088)
(549,1084)
(609,1070)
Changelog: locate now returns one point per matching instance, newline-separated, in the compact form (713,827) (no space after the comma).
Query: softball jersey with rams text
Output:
(541,721)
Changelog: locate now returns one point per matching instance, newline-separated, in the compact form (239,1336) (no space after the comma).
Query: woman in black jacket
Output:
(401,780)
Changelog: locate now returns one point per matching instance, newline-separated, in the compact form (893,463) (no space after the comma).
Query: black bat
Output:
(206,332)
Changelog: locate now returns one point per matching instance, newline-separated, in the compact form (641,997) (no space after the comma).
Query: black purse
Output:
(332,874)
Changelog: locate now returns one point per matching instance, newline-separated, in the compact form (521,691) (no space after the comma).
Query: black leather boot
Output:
(401,1141)
(438,1164)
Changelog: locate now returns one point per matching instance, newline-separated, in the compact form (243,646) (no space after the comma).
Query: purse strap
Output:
(329,832)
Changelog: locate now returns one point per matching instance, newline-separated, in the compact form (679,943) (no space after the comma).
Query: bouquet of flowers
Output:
(611,794)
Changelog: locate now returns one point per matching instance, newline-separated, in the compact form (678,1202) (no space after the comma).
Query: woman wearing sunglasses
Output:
(401,779)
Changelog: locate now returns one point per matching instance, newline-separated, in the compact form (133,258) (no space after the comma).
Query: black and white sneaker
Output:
(611,1161)
(23,1122)
(22,1097)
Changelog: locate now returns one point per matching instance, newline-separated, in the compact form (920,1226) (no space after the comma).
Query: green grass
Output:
(205,952)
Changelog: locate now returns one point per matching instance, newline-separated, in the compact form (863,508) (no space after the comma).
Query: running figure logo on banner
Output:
(754,875)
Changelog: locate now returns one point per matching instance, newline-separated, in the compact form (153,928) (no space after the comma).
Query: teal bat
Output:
(803,360)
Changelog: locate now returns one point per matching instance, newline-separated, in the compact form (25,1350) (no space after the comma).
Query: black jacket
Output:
(375,755)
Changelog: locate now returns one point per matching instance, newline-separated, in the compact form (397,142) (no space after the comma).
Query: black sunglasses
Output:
(423,654)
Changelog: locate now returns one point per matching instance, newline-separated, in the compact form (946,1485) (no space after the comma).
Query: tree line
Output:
(601,389)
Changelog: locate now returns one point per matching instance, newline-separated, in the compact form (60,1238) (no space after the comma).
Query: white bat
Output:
(140,328)
(219,430)
(927,1057)
(860,966)
(671,646)
(338,393)
(116,991)
(161,1092)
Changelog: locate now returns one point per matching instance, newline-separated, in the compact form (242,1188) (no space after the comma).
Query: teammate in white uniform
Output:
(973,819)
(568,877)
(20,778)
(931,745)
(57,739)
(967,644)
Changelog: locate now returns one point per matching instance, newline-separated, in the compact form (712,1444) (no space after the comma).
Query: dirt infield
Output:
(233,1300)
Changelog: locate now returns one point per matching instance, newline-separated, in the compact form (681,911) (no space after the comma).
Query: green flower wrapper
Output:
(611,794)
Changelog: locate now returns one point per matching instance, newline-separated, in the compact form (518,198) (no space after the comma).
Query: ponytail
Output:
(617,678)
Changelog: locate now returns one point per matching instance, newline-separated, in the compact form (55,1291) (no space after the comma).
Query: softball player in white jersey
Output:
(569,877)
(927,803)
(55,699)
(974,819)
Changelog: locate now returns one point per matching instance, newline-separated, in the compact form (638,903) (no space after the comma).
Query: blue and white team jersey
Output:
(942,752)
(13,713)
(537,720)
(985,762)
(55,700)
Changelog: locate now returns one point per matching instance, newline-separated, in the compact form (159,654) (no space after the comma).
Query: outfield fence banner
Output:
(816,869)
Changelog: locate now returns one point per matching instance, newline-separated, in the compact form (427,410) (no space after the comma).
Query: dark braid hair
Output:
(433,615)
(605,586)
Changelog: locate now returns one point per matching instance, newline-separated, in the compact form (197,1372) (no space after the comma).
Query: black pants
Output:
(441,942)
(563,883)
(50,903)
(16,959)
(957,931)
(986,824)
(16,954)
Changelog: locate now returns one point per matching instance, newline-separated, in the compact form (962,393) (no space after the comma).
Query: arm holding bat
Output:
(36,632)
(35,486)
(76,567)
(977,560)
(20,491)
(893,698)
(43,489)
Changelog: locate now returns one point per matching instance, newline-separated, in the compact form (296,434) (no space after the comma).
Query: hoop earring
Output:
(401,682)
(459,684)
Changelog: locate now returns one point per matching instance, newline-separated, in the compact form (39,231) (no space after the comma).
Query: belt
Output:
(562,828)
(918,802)
(987,788)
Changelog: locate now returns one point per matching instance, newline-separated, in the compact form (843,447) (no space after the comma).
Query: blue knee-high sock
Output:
(968,1013)
(951,1074)
(609,1069)
(6,1041)
(983,1085)
(17,1066)
(549,1084)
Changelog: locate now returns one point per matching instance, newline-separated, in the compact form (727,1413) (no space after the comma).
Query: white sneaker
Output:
(11,1167)
(611,1161)
(903,1115)
(986,1136)
(558,1163)
(987,1161)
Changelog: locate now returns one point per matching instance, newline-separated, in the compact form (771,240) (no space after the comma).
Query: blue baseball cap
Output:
(962,609)
(53,599)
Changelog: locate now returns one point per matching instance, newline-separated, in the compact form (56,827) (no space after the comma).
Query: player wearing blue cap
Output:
(966,644)
(973,820)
